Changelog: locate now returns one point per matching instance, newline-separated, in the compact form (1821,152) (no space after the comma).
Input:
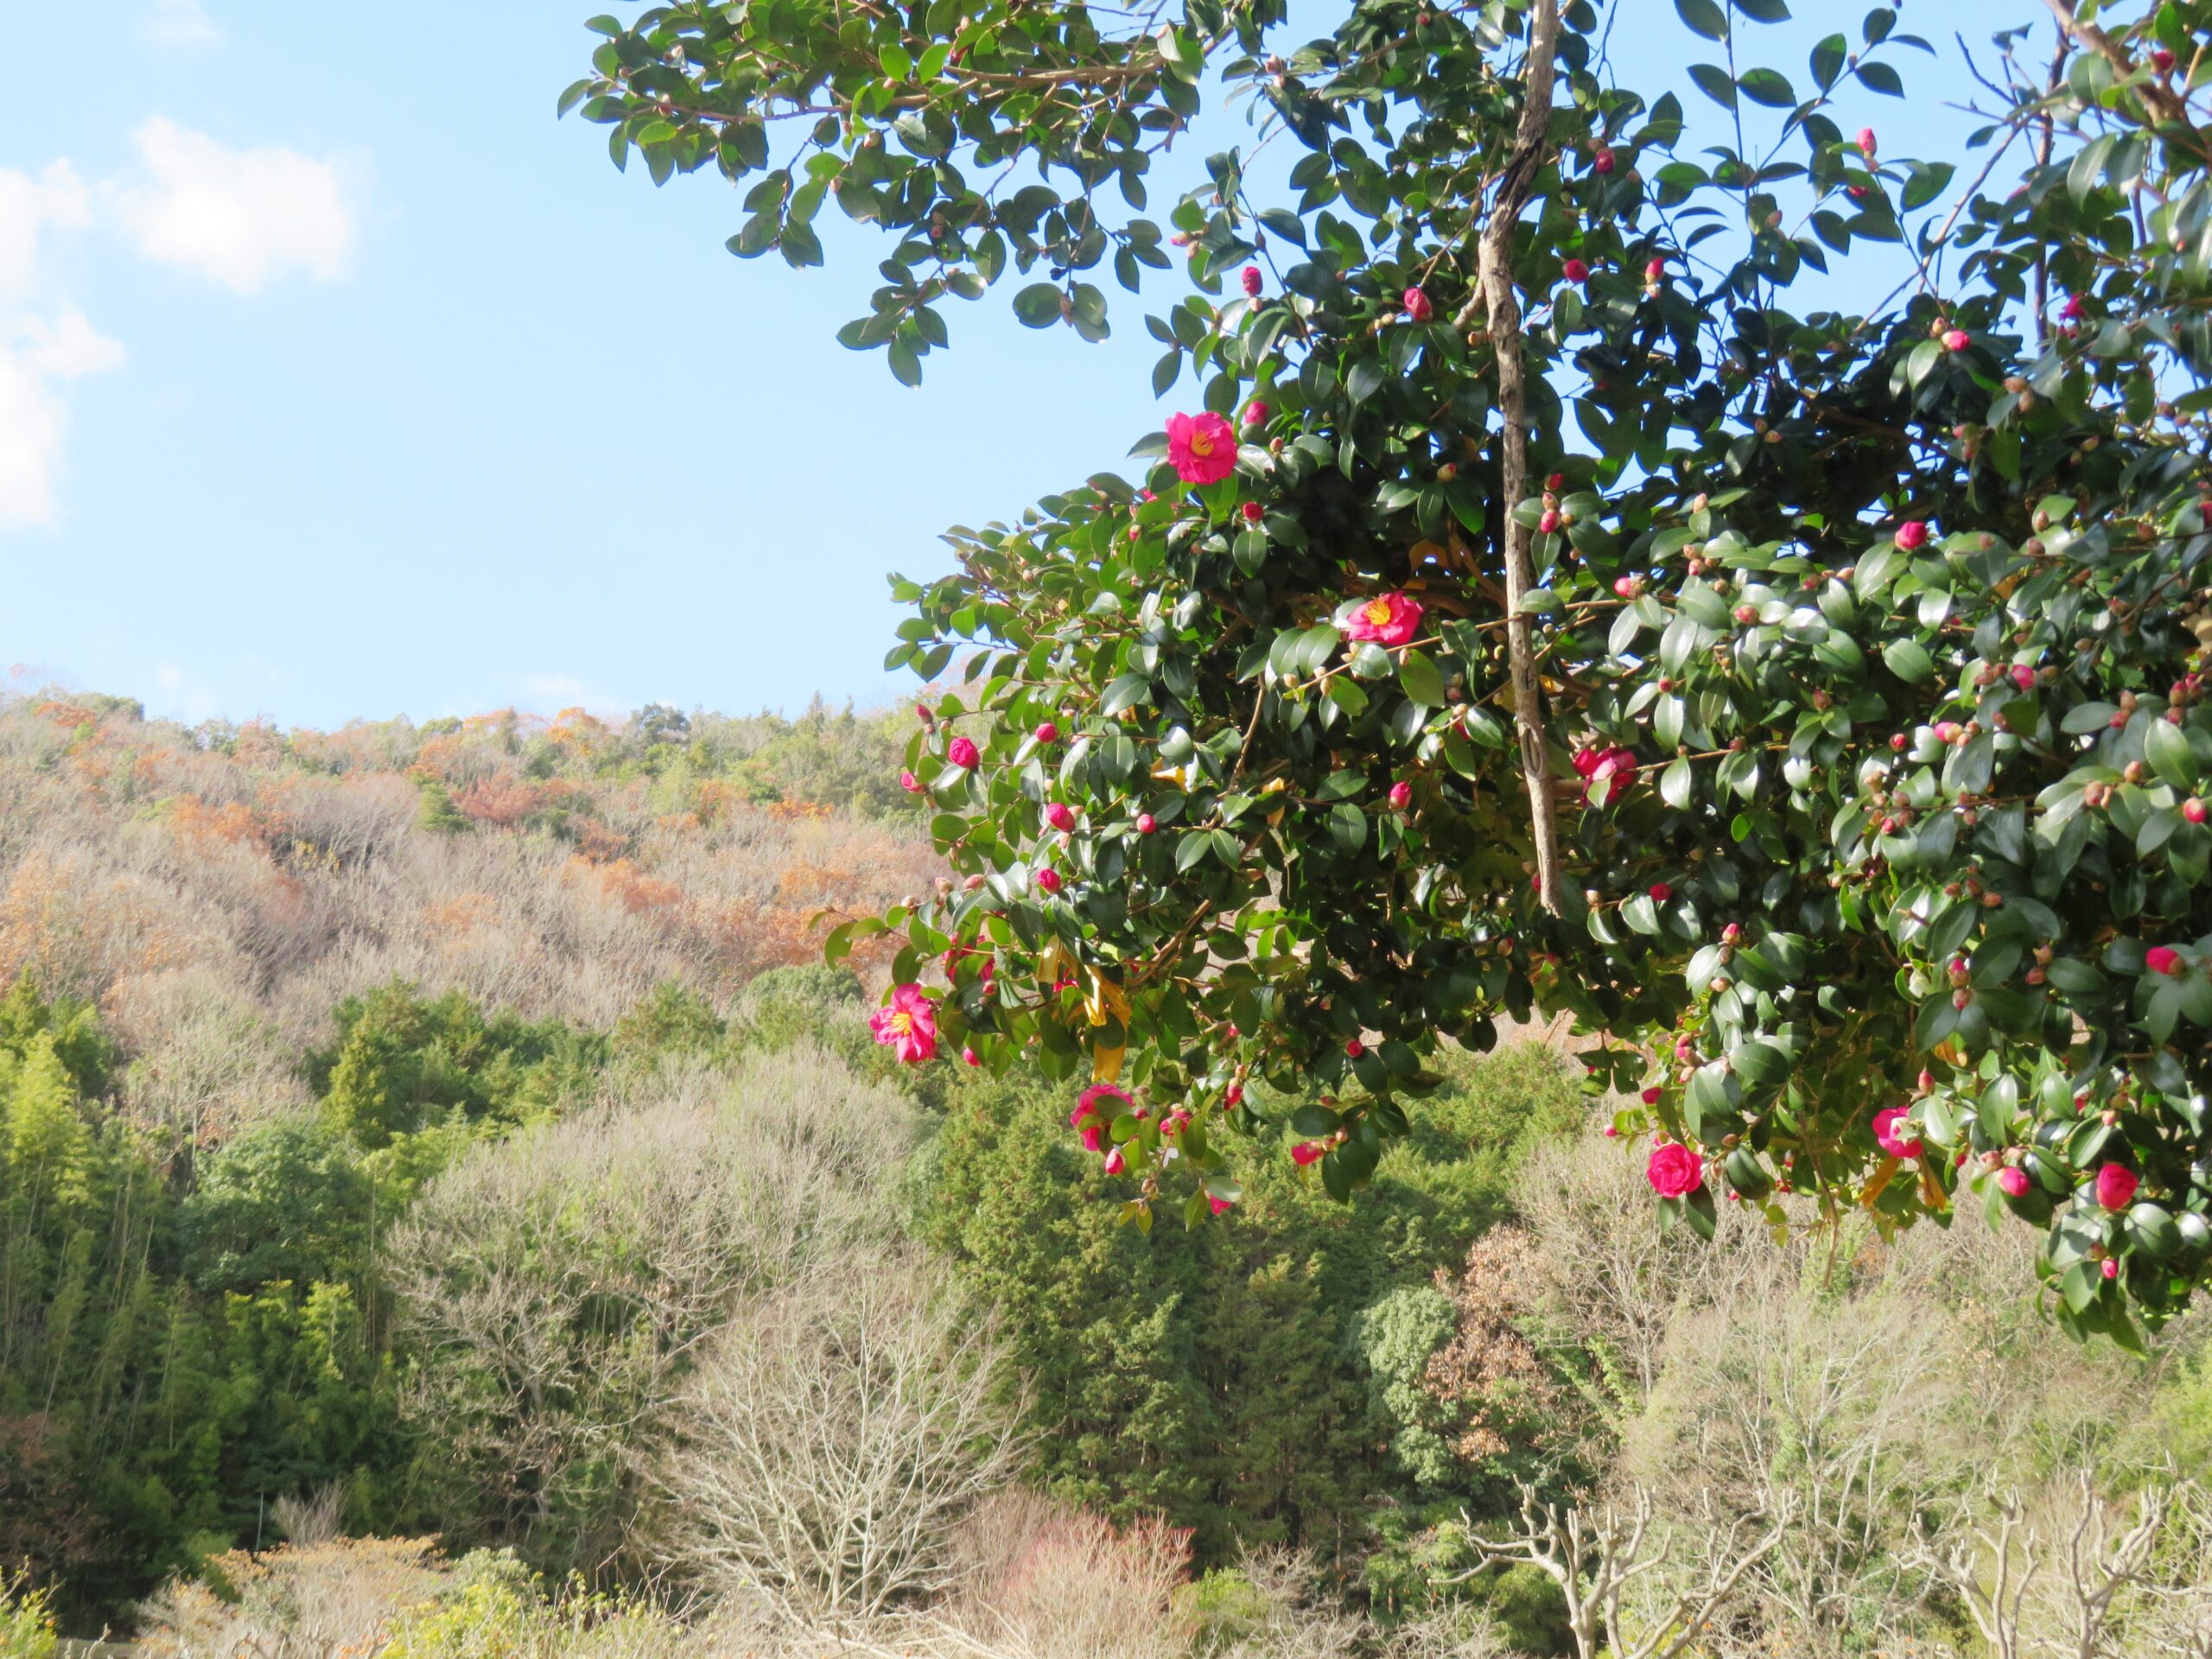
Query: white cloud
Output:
(35,355)
(57,196)
(179,22)
(237,217)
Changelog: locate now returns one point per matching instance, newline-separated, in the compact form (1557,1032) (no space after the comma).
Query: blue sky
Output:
(339,380)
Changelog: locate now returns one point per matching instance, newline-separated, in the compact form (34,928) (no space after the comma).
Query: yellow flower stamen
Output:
(1201,443)
(1376,610)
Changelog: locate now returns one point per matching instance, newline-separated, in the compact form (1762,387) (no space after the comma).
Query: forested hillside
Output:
(435,1168)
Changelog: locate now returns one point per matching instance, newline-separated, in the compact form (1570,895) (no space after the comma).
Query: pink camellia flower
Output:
(1675,1171)
(1660,893)
(1093,1136)
(1956,340)
(1048,733)
(1060,816)
(1615,769)
(1089,1103)
(1256,413)
(1387,619)
(1201,447)
(1575,271)
(1866,142)
(1418,308)
(1147,824)
(1886,1135)
(1219,1204)
(1401,795)
(2162,959)
(1251,278)
(908,1026)
(1048,880)
(968,1056)
(2116,1184)
(1114,1162)
(2013,1181)
(1912,536)
(962,753)
(960,953)
(911,784)
(2023,676)
(1307,1152)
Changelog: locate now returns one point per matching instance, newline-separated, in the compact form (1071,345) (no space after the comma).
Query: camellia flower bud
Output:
(1048,880)
(1656,271)
(2160,959)
(1575,271)
(1048,733)
(1252,510)
(1255,413)
(1601,160)
(1147,824)
(1660,893)
(1418,308)
(2194,810)
(2116,1184)
(1354,1048)
(1651,1097)
(970,1057)
(911,784)
(1912,536)
(1866,142)
(1114,1162)
(1060,816)
(1956,340)
(1401,794)
(1307,1152)
(2013,1181)
(962,754)
(1251,278)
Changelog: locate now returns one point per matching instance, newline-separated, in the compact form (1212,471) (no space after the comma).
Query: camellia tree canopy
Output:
(1530,612)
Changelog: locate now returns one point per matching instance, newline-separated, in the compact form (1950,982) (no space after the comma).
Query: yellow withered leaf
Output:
(1878,1181)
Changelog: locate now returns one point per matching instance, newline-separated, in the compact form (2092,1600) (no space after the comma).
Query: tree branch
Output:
(1495,268)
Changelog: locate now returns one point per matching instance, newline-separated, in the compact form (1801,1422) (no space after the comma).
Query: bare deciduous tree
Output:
(1595,1555)
(834,1433)
(557,1285)
(2076,1576)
